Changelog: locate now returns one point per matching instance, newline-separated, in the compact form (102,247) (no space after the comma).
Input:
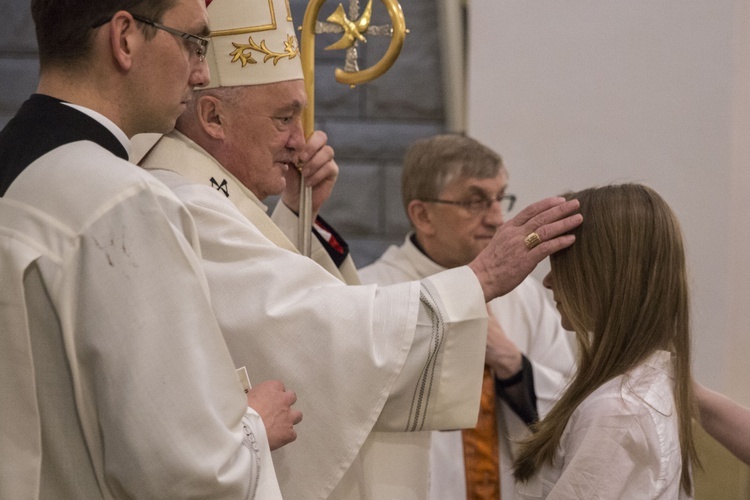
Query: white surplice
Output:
(116,380)
(621,442)
(394,359)
(531,322)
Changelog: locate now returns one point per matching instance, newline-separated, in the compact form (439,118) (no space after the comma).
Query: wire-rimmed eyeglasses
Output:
(201,43)
(480,205)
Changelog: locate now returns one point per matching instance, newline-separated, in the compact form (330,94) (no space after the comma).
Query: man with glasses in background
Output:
(454,191)
(116,380)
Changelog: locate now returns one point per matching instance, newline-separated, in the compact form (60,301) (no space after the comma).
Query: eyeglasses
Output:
(482,205)
(201,43)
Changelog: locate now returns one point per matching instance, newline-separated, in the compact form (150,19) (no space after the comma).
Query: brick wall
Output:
(370,126)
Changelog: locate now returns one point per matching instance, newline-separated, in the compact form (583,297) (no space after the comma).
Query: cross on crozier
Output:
(353,31)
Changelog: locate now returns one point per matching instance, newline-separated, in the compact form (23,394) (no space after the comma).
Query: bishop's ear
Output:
(420,216)
(211,116)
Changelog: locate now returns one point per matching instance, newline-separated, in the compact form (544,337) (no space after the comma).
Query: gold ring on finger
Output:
(532,240)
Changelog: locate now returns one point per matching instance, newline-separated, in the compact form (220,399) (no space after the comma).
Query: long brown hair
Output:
(623,286)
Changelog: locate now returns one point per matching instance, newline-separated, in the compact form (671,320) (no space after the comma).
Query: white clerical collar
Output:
(116,131)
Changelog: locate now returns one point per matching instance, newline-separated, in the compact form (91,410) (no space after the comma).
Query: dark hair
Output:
(64,27)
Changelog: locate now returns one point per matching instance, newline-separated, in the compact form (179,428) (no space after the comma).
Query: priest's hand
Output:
(319,170)
(274,405)
(507,260)
(502,355)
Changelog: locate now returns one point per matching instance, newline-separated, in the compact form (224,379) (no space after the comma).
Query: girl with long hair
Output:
(622,428)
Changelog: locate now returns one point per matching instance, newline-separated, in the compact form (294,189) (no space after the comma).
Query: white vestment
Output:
(621,442)
(401,358)
(116,381)
(531,322)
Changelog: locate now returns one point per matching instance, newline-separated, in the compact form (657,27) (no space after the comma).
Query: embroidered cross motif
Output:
(221,187)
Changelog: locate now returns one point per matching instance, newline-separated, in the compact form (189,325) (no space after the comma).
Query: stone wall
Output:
(370,126)
(19,69)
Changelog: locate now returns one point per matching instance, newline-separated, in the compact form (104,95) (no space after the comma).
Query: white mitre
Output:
(252,42)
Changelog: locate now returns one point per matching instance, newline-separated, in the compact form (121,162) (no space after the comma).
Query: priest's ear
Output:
(210,115)
(421,217)
(124,38)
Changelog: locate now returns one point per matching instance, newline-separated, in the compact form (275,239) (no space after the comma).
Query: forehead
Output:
(470,185)
(189,15)
(276,97)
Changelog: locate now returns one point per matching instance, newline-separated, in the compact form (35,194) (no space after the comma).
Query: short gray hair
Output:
(430,164)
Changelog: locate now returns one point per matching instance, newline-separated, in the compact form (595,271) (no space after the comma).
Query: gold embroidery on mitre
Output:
(243,51)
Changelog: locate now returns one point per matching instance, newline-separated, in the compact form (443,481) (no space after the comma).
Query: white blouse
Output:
(622,442)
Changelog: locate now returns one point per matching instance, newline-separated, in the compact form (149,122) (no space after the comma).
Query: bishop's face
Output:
(264,135)
(458,234)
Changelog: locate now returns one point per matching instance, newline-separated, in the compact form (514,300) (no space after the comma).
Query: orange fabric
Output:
(481,452)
